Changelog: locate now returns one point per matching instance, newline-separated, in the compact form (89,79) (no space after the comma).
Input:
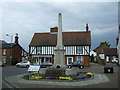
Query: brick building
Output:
(11,49)
(110,54)
(76,44)
(105,54)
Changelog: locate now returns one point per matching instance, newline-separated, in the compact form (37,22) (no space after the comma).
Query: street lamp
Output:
(10,48)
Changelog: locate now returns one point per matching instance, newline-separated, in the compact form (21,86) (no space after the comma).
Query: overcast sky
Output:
(26,18)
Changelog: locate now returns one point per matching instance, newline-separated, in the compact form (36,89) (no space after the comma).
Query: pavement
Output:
(0,77)
(100,80)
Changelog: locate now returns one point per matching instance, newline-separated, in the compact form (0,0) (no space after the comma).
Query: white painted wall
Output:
(94,53)
(107,58)
(119,49)
(69,50)
(102,56)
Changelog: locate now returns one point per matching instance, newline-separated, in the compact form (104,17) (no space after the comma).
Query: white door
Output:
(69,60)
(107,59)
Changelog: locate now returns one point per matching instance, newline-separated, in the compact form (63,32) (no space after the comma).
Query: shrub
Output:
(25,77)
(33,73)
(51,77)
(65,78)
(81,75)
(14,60)
(89,73)
(36,77)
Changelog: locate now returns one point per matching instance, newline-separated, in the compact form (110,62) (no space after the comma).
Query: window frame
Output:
(79,50)
(79,58)
(4,51)
(39,50)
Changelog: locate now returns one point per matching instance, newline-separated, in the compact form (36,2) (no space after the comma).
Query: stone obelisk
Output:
(59,49)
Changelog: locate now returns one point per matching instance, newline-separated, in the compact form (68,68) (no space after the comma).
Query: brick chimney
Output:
(54,30)
(87,27)
(16,38)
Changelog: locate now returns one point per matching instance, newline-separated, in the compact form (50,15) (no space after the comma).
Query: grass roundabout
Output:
(78,76)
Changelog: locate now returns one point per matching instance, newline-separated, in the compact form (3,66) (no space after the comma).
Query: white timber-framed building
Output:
(77,46)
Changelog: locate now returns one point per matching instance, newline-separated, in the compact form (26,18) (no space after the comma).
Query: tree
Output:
(14,60)
(92,58)
(105,43)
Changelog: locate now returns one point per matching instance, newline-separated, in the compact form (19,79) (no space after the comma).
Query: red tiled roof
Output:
(99,49)
(69,38)
(110,51)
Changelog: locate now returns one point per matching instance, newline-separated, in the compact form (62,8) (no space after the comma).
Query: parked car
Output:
(23,64)
(46,64)
(2,64)
(115,60)
(76,64)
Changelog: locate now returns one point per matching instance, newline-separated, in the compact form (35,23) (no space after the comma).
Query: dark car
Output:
(46,64)
(76,64)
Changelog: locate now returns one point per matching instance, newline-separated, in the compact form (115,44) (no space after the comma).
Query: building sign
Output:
(34,68)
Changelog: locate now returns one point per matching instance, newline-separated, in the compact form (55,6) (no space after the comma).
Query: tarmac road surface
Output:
(95,68)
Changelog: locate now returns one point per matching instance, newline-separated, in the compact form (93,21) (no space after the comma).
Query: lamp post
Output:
(10,48)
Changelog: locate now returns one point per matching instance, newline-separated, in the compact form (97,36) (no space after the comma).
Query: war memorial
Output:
(59,70)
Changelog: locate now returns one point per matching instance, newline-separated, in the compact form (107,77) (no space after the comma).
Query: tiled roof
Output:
(99,49)
(7,45)
(69,38)
(110,51)
(4,44)
(2,41)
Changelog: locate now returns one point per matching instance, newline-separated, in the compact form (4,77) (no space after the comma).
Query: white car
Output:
(23,64)
(115,60)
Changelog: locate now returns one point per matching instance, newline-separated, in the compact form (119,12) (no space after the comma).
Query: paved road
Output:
(8,71)
(2,83)
(13,71)
(0,77)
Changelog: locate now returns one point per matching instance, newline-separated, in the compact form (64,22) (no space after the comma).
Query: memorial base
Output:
(53,71)
(72,71)
(42,70)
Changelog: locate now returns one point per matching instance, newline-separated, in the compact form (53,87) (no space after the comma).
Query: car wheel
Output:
(80,67)
(27,66)
(17,66)
(2,65)
(69,67)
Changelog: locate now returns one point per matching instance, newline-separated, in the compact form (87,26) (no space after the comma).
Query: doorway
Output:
(69,60)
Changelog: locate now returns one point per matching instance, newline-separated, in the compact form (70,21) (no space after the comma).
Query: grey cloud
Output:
(28,18)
